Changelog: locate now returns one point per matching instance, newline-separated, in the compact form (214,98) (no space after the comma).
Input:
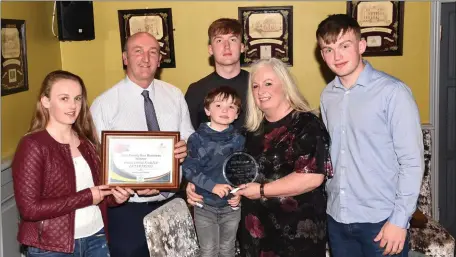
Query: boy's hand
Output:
(234,201)
(222,190)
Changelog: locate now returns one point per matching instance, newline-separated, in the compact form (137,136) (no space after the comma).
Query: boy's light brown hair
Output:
(225,93)
(330,28)
(224,26)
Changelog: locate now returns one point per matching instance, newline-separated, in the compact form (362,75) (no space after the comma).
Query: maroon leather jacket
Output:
(45,191)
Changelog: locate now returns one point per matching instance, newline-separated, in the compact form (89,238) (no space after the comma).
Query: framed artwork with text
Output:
(381,23)
(267,32)
(157,22)
(14,57)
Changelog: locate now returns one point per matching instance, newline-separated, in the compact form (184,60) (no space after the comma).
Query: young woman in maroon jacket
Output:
(56,174)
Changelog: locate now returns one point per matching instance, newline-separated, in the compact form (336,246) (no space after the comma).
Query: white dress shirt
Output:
(122,108)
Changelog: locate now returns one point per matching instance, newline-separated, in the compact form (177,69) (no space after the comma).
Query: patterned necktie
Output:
(151,120)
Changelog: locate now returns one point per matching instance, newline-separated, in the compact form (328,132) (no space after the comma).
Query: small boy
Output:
(217,221)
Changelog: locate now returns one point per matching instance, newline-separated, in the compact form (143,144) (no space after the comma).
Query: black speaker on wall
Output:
(75,20)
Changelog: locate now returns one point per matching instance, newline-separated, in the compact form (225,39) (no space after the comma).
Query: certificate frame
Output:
(14,57)
(158,22)
(120,150)
(382,25)
(267,32)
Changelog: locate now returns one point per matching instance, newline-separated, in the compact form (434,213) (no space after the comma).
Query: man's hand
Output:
(180,150)
(192,196)
(392,238)
(148,192)
(221,190)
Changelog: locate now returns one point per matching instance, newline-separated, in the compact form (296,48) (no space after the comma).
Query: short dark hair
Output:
(225,93)
(330,28)
(224,26)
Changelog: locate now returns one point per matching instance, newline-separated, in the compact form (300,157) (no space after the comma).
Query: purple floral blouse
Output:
(287,226)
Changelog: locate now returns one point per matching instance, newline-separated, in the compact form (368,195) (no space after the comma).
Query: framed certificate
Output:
(381,25)
(140,159)
(14,57)
(267,32)
(157,22)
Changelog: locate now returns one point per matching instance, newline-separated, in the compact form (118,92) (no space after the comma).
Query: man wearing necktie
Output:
(140,103)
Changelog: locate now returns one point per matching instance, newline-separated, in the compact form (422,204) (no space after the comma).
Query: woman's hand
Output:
(192,196)
(148,192)
(121,195)
(250,190)
(99,193)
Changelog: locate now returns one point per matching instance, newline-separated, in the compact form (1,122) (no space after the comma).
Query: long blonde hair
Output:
(83,125)
(254,115)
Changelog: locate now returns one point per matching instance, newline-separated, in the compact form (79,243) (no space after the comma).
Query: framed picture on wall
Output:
(382,25)
(157,22)
(14,57)
(267,32)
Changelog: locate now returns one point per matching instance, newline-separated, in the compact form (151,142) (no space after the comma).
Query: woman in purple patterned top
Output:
(284,210)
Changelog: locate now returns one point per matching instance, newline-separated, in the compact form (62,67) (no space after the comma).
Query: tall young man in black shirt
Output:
(225,45)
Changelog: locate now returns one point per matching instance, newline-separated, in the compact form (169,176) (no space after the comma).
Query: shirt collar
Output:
(363,79)
(365,76)
(136,89)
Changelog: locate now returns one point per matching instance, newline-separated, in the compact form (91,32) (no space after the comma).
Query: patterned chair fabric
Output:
(432,240)
(170,231)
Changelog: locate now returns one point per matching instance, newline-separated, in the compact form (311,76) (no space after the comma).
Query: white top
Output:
(88,220)
(122,108)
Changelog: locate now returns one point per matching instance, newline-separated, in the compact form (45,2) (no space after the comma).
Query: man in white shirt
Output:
(123,107)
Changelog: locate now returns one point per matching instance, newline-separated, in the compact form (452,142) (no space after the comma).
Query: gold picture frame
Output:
(158,22)
(14,57)
(267,32)
(382,25)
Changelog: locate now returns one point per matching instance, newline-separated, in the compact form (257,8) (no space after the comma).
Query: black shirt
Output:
(197,92)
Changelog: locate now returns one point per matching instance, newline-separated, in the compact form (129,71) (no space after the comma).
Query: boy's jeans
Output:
(357,239)
(216,228)
(91,246)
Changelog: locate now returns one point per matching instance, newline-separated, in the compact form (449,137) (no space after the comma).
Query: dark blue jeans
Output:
(91,246)
(357,239)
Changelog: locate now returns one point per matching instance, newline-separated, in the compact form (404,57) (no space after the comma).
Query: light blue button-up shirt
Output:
(376,149)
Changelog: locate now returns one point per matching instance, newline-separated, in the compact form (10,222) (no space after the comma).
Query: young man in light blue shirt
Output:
(377,148)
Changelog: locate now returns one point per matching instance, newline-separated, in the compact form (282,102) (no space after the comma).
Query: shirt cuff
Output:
(400,219)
